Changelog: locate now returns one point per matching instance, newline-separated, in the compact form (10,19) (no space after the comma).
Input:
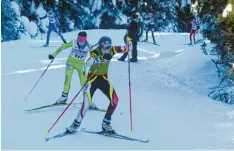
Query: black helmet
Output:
(105,42)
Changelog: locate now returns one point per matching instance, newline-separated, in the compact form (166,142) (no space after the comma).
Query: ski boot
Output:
(133,60)
(93,106)
(75,125)
(195,42)
(46,45)
(106,127)
(62,99)
(121,59)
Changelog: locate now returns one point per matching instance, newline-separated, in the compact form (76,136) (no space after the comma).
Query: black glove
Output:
(51,57)
(107,56)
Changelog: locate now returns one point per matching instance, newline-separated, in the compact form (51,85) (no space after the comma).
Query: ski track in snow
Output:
(170,103)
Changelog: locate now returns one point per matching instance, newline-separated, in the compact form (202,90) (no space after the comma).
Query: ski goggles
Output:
(106,46)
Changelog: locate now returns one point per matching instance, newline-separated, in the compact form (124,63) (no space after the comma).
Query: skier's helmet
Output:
(105,43)
(136,16)
(151,14)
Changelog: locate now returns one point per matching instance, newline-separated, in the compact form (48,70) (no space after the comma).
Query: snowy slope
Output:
(170,103)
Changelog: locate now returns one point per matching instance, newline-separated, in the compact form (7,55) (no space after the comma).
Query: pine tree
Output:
(184,17)
(9,22)
(220,31)
(164,11)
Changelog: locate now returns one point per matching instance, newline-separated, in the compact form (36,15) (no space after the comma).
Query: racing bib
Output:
(78,52)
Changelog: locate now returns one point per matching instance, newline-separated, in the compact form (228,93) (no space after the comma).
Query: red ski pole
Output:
(47,132)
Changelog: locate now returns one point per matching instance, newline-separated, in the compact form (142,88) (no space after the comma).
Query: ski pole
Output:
(129,89)
(160,35)
(39,79)
(47,132)
(185,33)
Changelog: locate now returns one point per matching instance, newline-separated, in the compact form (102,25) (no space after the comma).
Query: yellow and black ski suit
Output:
(98,79)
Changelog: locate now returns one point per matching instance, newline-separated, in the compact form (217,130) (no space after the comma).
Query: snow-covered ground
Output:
(169,97)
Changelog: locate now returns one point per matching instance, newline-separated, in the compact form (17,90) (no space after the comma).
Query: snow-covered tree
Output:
(112,17)
(165,13)
(28,7)
(184,3)
(95,5)
(33,29)
(43,21)
(185,16)
(10,20)
(218,28)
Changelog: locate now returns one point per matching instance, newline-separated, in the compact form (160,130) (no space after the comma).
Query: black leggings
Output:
(102,83)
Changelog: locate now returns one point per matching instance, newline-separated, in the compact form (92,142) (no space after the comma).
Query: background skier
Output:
(195,27)
(53,25)
(133,32)
(150,26)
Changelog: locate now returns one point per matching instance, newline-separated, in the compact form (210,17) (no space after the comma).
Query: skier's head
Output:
(105,43)
(151,14)
(138,14)
(136,17)
(50,10)
(82,38)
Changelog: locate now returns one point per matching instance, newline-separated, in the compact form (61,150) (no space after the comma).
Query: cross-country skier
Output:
(195,27)
(150,26)
(98,79)
(53,25)
(133,31)
(76,61)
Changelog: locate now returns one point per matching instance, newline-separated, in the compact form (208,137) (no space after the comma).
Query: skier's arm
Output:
(140,29)
(91,60)
(63,47)
(120,49)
